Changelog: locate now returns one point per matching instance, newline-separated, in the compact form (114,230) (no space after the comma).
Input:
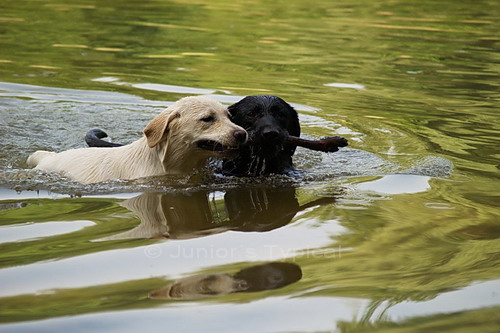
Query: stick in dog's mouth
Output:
(326,144)
(217,147)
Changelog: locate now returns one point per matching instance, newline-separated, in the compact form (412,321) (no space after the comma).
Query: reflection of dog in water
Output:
(189,215)
(256,278)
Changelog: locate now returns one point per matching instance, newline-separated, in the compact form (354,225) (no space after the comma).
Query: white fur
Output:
(167,216)
(169,146)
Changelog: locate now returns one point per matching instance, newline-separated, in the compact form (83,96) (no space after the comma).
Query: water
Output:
(397,232)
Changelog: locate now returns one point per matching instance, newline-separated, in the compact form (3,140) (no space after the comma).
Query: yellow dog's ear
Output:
(158,127)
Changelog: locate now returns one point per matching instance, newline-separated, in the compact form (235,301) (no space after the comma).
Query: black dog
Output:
(269,120)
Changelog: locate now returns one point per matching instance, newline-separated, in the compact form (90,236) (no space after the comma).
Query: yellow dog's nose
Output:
(240,136)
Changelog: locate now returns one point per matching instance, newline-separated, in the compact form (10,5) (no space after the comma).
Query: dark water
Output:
(396,233)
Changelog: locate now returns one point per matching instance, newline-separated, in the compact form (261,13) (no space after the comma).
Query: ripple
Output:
(397,184)
(432,166)
(72,95)
(438,205)
(31,231)
(172,88)
(345,85)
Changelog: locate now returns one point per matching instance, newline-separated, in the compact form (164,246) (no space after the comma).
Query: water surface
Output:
(397,232)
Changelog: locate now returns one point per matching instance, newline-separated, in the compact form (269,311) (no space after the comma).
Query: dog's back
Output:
(35,158)
(90,165)
(86,165)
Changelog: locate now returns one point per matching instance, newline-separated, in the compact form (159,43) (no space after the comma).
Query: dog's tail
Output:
(35,158)
(94,136)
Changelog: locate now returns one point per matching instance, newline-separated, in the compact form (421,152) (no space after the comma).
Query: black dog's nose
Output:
(270,134)
(240,136)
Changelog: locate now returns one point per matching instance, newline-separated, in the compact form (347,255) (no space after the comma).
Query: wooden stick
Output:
(326,144)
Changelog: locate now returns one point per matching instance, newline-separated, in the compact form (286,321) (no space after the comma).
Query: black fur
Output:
(269,276)
(268,121)
(94,136)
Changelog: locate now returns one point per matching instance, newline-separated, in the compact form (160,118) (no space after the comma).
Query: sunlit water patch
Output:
(345,85)
(30,231)
(397,184)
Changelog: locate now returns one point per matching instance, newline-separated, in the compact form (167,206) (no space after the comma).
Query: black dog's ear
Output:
(233,109)
(293,122)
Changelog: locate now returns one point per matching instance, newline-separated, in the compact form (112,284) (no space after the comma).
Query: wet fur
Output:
(169,146)
(268,121)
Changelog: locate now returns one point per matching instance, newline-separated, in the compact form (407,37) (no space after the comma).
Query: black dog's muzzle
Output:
(269,132)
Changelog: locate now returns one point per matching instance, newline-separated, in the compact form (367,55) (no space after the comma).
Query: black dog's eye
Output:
(253,112)
(208,119)
(280,115)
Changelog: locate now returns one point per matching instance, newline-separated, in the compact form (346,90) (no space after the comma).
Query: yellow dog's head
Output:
(197,124)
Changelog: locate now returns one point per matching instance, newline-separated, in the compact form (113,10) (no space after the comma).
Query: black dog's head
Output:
(269,276)
(268,121)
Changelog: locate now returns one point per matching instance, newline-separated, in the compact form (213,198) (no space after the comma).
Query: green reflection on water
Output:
(108,216)
(430,78)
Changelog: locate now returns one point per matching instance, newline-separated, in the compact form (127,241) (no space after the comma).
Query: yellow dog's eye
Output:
(208,119)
